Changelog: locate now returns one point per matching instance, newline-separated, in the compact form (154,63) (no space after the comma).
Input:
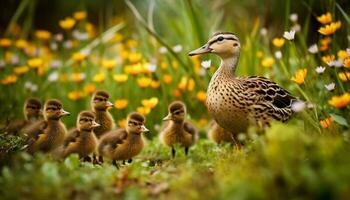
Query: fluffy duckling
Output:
(82,140)
(177,130)
(32,113)
(124,143)
(46,135)
(218,135)
(100,105)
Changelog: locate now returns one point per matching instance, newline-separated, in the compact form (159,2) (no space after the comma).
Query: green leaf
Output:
(339,119)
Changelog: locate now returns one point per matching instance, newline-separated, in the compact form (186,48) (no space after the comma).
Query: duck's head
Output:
(86,121)
(32,109)
(224,44)
(100,101)
(53,110)
(135,123)
(177,112)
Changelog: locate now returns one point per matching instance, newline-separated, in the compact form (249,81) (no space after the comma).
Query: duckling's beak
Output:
(95,124)
(144,129)
(109,104)
(64,113)
(168,117)
(201,50)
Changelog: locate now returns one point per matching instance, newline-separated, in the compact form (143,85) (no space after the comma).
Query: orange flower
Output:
(167,79)
(75,95)
(325,123)
(201,96)
(344,76)
(21,70)
(299,76)
(43,34)
(121,123)
(67,23)
(21,44)
(5,42)
(186,84)
(121,104)
(328,58)
(325,18)
(79,15)
(278,42)
(155,84)
(143,110)
(77,77)
(347,62)
(340,101)
(144,82)
(120,78)
(89,89)
(330,29)
(8,80)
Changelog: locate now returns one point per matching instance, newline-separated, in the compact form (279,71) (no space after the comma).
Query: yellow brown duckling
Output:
(32,113)
(236,102)
(46,135)
(100,105)
(124,143)
(177,130)
(82,139)
(219,135)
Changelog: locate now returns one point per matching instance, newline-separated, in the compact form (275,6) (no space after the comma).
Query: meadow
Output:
(139,54)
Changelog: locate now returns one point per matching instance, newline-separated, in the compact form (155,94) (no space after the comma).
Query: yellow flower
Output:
(90,29)
(150,103)
(342,54)
(144,82)
(167,78)
(89,89)
(186,84)
(99,78)
(79,15)
(75,95)
(326,41)
(35,63)
(5,42)
(325,123)
(325,18)
(120,78)
(120,104)
(43,34)
(77,77)
(201,96)
(109,64)
(344,76)
(21,70)
(133,69)
(135,57)
(118,37)
(330,29)
(67,23)
(121,123)
(21,44)
(174,64)
(340,101)
(155,84)
(259,54)
(78,57)
(268,62)
(163,65)
(278,42)
(8,80)
(328,58)
(131,43)
(143,110)
(347,62)
(299,76)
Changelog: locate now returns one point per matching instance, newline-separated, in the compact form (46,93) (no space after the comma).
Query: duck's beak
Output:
(168,117)
(144,129)
(109,104)
(64,113)
(95,124)
(201,50)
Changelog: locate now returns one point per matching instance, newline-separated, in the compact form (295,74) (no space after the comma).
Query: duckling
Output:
(177,130)
(100,105)
(82,140)
(124,143)
(218,135)
(46,135)
(236,102)
(32,113)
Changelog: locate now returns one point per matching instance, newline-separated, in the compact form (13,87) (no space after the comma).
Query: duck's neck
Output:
(228,66)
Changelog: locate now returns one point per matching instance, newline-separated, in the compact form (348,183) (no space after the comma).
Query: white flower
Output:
(53,77)
(348,51)
(330,86)
(177,48)
(53,46)
(336,63)
(163,50)
(313,49)
(289,35)
(34,88)
(263,31)
(298,106)
(296,27)
(206,64)
(80,35)
(152,67)
(293,17)
(320,69)
(31,86)
(278,54)
(58,37)
(2,64)
(85,52)
(202,72)
(68,44)
(15,60)
(55,64)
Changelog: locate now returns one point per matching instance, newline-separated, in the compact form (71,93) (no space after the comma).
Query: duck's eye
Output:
(220,38)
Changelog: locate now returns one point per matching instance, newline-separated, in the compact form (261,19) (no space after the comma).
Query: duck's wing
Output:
(34,130)
(120,137)
(191,129)
(72,136)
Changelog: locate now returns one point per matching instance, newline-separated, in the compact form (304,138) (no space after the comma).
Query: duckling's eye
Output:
(220,38)
(235,44)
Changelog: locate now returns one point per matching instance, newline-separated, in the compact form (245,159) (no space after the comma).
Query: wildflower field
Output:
(137,51)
